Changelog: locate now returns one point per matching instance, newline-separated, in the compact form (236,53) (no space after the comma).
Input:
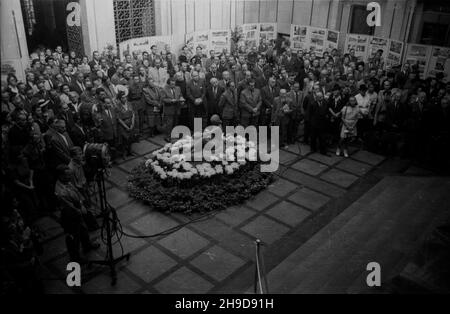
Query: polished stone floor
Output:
(217,254)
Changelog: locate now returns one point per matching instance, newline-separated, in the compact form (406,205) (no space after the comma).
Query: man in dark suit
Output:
(95,60)
(298,113)
(283,82)
(78,133)
(283,109)
(78,84)
(42,92)
(250,104)
(213,73)
(268,94)
(106,122)
(66,114)
(153,106)
(67,77)
(58,144)
(197,99)
(317,113)
(213,93)
(258,73)
(172,100)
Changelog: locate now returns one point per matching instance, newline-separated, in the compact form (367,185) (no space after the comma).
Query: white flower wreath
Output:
(167,162)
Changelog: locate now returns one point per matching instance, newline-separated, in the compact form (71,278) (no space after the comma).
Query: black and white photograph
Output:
(267,28)
(224,155)
(396,47)
(300,31)
(332,36)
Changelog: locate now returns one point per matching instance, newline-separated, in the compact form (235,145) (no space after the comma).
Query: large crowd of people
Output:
(67,100)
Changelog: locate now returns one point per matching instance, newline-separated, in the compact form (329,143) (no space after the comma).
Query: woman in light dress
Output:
(350,114)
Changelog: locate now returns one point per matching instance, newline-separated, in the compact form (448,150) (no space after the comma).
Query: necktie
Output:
(173,93)
(296,98)
(50,83)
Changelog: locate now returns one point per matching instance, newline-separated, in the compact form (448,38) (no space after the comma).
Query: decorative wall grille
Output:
(133,18)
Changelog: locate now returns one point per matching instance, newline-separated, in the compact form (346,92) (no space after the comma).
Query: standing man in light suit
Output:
(158,73)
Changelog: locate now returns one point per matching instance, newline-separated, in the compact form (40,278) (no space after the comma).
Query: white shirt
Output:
(363,103)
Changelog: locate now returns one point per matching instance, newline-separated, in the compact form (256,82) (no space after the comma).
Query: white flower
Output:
(235,165)
(229,169)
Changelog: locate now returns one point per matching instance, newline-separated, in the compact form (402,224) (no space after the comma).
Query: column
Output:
(13,42)
(97,22)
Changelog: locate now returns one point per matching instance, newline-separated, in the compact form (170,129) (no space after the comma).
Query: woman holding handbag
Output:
(350,114)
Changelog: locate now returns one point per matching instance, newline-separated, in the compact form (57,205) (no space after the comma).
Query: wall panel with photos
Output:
(316,39)
(430,60)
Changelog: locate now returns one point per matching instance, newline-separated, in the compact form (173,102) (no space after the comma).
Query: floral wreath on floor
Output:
(168,181)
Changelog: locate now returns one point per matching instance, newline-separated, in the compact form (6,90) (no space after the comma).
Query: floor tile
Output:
(143,147)
(265,229)
(153,223)
(118,177)
(310,167)
(355,167)
(54,248)
(339,177)
(101,284)
(313,183)
(128,166)
(150,263)
(183,281)
(300,149)
(262,200)
(227,237)
(184,242)
(282,187)
(131,211)
(49,227)
(288,213)
(217,263)
(328,160)
(368,157)
(235,215)
(309,199)
(117,198)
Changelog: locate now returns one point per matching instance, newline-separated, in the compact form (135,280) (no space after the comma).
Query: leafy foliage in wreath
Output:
(217,192)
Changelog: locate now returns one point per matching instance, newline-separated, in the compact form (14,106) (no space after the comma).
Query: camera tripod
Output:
(110,220)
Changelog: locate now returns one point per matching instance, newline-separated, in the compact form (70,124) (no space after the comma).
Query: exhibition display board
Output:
(137,46)
(429,60)
(252,34)
(210,39)
(313,38)
(367,46)
(439,61)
